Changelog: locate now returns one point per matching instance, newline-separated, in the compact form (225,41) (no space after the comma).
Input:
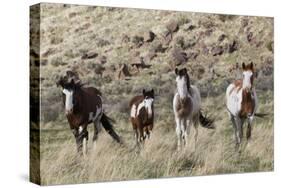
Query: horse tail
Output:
(109,128)
(205,121)
(261,115)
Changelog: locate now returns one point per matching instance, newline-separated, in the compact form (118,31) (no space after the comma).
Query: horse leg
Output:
(141,135)
(239,132)
(137,136)
(249,128)
(145,131)
(232,118)
(185,126)
(195,124)
(97,128)
(81,135)
(149,130)
(178,132)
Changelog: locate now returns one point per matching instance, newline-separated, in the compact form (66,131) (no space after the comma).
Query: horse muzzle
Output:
(68,112)
(248,89)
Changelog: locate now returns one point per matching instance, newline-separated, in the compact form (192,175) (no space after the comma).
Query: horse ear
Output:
(176,71)
(152,91)
(72,81)
(60,83)
(185,70)
(251,65)
(143,91)
(243,66)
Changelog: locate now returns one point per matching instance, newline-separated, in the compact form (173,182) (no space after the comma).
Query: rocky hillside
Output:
(128,46)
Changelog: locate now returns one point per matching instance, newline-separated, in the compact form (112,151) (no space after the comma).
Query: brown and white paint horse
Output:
(83,105)
(142,114)
(242,102)
(186,106)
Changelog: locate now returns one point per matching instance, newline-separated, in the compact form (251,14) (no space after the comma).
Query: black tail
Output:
(109,128)
(260,115)
(205,121)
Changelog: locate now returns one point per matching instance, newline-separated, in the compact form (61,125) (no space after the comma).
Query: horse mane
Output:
(188,85)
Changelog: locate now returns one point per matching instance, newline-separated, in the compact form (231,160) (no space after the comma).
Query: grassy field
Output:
(212,45)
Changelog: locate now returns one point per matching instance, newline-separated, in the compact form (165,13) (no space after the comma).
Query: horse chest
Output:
(247,105)
(184,106)
(76,120)
(139,114)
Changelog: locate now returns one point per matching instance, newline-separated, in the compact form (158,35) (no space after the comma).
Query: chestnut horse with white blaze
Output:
(142,115)
(186,106)
(242,103)
(83,105)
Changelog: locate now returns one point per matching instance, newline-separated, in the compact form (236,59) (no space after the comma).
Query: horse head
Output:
(183,82)
(71,97)
(248,76)
(148,101)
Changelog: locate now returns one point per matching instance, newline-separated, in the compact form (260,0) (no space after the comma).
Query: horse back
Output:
(91,99)
(136,100)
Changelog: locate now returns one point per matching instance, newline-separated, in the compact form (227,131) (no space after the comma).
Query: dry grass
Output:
(68,32)
(108,161)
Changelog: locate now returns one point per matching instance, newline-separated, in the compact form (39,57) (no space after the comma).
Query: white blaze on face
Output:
(182,87)
(148,106)
(68,99)
(247,79)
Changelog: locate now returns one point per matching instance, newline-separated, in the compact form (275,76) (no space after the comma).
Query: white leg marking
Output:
(178,132)
(84,146)
(91,116)
(98,113)
(80,129)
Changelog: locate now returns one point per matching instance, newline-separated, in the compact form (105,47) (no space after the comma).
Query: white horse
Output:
(242,102)
(186,105)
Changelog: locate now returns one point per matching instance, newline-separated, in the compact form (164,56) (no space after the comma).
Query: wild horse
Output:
(142,115)
(187,108)
(83,105)
(242,103)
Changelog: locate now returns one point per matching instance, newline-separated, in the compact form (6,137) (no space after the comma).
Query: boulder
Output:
(157,47)
(99,69)
(109,72)
(179,56)
(89,55)
(102,60)
(137,40)
(122,72)
(217,50)
(125,38)
(150,55)
(233,46)
(188,27)
(148,36)
(250,36)
(221,37)
(140,64)
(172,26)
(102,42)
